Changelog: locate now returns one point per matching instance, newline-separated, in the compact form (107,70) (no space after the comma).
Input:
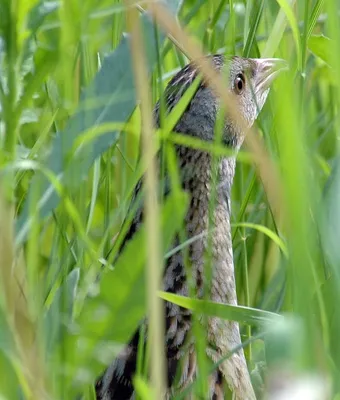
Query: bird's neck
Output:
(224,335)
(198,179)
(204,177)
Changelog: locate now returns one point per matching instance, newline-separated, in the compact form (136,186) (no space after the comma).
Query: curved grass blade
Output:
(225,311)
(272,235)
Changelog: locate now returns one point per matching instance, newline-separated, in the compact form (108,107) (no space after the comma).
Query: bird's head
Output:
(250,80)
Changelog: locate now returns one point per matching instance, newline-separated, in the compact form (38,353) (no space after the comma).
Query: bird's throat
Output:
(208,183)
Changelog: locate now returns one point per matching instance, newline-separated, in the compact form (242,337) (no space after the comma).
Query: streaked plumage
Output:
(198,120)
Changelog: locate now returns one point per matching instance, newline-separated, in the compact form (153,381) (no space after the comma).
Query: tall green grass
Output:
(69,158)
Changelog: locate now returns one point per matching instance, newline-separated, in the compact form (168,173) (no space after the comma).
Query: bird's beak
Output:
(267,70)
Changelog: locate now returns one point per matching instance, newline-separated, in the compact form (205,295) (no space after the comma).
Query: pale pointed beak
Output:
(267,70)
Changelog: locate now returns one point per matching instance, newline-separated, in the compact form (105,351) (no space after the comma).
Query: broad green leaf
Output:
(110,98)
(320,45)
(224,311)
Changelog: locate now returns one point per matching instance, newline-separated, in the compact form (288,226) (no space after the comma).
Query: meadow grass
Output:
(69,157)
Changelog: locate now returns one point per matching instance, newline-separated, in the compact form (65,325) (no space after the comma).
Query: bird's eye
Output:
(239,84)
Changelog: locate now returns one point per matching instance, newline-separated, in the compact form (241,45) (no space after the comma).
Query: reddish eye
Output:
(239,83)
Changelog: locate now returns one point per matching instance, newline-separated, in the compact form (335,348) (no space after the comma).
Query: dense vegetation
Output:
(70,134)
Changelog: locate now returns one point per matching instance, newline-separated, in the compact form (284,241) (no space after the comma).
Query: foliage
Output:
(69,162)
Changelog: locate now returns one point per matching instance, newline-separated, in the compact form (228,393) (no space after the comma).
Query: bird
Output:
(249,79)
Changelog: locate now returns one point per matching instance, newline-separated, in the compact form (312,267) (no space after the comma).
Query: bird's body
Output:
(195,167)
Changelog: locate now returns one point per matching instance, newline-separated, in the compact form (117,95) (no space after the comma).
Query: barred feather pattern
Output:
(224,336)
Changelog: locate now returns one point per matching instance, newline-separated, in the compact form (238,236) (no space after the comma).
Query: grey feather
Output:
(198,120)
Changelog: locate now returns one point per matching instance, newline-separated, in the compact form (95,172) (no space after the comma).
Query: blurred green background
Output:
(69,148)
